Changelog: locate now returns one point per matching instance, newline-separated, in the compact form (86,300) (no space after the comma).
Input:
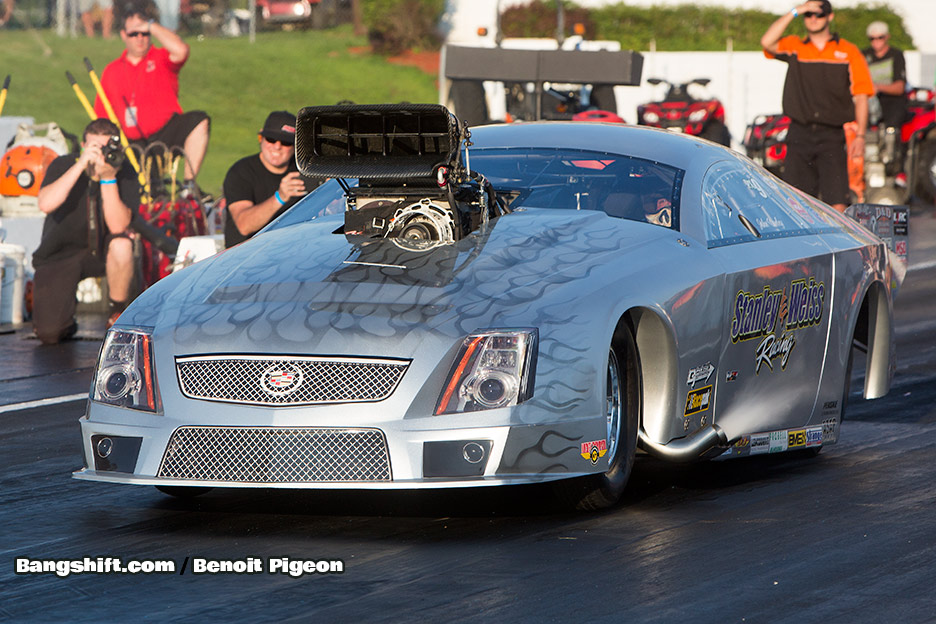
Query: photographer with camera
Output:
(89,201)
(261,187)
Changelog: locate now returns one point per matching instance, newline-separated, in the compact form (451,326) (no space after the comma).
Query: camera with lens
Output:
(113,152)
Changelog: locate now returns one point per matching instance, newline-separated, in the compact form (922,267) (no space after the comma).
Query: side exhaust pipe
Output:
(684,450)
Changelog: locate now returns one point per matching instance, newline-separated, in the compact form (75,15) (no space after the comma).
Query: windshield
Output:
(623,187)
(620,186)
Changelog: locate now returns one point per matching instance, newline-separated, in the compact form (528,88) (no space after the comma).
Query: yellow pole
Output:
(81,96)
(131,156)
(3,92)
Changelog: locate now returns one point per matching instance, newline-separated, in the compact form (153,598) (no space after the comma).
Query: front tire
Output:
(622,390)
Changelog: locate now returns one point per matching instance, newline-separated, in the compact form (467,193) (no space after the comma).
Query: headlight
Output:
(492,369)
(125,373)
(651,117)
(698,115)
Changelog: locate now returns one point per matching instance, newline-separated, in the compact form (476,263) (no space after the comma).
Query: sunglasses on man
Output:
(138,33)
(275,141)
(878,37)
(814,14)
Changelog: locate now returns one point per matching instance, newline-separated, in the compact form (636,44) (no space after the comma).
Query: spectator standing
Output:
(88,204)
(263,186)
(6,11)
(143,88)
(89,17)
(889,74)
(827,85)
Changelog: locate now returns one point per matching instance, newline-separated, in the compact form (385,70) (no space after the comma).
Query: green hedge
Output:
(397,25)
(686,26)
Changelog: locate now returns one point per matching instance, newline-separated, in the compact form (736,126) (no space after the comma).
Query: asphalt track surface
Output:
(848,536)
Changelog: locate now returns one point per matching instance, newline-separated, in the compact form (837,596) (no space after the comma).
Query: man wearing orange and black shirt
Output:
(827,85)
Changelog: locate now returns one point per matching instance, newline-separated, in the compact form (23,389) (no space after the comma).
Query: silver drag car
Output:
(514,304)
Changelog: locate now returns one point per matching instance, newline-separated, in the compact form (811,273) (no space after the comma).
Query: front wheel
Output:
(622,407)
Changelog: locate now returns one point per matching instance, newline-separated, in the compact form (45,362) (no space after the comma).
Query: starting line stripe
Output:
(922,265)
(50,401)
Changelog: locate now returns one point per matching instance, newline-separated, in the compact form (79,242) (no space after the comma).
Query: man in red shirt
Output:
(143,88)
(827,85)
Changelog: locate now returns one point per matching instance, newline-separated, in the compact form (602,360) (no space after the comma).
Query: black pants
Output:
(817,161)
(54,301)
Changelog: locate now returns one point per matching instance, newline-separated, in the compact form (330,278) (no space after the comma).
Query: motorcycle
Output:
(680,111)
(890,174)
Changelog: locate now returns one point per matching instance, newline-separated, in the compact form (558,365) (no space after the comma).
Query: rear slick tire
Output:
(622,389)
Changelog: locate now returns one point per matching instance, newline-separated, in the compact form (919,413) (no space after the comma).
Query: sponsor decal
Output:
(773,316)
(698,400)
(814,436)
(796,438)
(731,376)
(760,443)
(901,248)
(700,374)
(594,450)
(830,405)
(778,442)
(829,430)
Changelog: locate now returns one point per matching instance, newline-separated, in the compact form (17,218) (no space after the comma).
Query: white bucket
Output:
(12,282)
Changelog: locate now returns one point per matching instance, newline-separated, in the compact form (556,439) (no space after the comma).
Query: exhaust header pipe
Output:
(688,449)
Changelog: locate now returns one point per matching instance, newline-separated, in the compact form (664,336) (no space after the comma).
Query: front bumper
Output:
(420,453)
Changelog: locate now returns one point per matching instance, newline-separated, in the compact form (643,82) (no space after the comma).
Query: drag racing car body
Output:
(533,309)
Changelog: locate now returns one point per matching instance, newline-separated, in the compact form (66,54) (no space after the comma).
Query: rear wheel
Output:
(621,412)
(926,171)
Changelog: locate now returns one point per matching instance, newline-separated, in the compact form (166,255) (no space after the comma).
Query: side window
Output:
(720,210)
(741,203)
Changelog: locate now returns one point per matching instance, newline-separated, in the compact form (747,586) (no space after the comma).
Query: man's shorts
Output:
(178,128)
(817,161)
(86,5)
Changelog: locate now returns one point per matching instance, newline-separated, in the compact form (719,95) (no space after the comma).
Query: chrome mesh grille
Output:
(287,380)
(276,454)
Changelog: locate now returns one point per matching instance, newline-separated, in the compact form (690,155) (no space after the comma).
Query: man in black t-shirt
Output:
(261,187)
(88,205)
(889,74)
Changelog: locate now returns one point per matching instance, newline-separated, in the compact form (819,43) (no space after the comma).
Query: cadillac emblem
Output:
(281,379)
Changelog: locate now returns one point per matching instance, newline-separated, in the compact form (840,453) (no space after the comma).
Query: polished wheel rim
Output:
(613,404)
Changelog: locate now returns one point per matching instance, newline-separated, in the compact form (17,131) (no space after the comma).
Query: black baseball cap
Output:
(826,7)
(280,126)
